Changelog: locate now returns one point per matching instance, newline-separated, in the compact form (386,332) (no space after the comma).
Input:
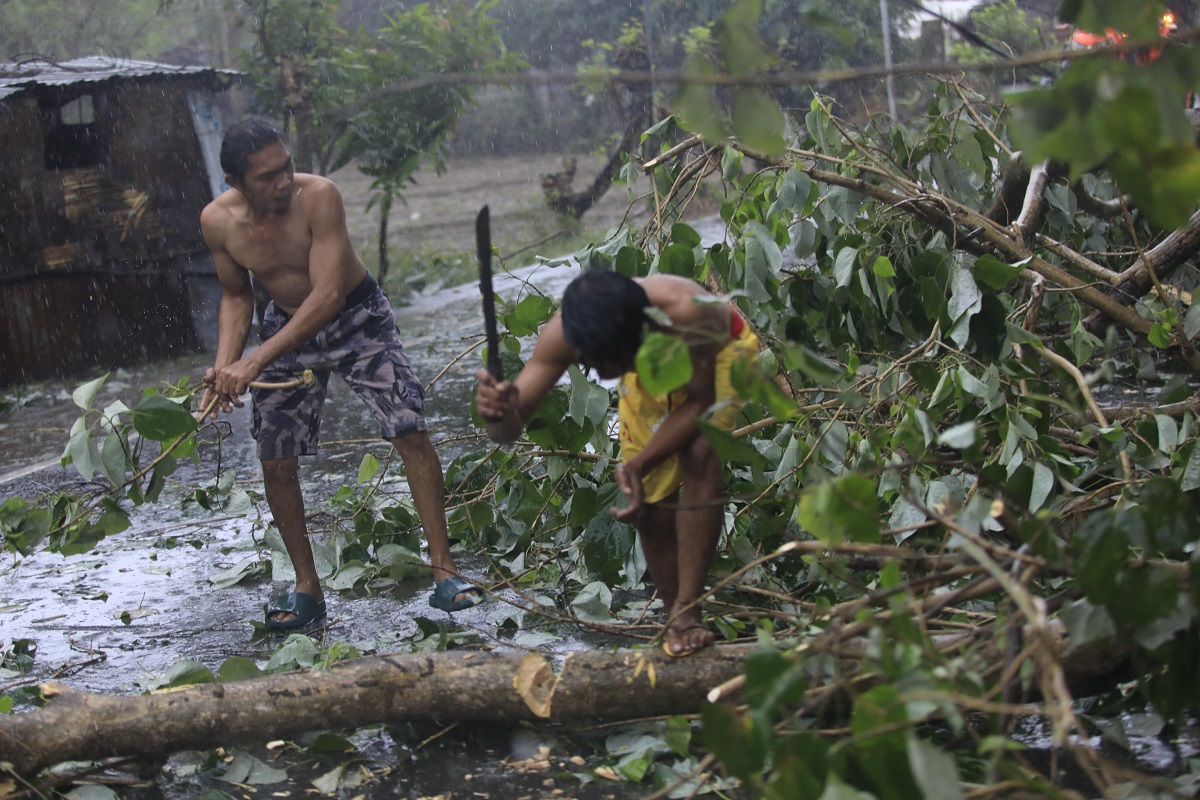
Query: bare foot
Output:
(683,640)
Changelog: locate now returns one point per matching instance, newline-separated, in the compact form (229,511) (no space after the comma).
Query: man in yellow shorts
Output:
(600,327)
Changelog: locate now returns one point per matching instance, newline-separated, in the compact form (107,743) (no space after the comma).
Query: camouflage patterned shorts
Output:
(363,346)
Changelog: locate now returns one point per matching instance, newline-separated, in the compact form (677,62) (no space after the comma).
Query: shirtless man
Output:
(326,314)
(600,327)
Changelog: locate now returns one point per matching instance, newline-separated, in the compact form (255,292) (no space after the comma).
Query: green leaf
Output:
(994,273)
(730,736)
(113,459)
(663,363)
(187,672)
(1160,335)
(730,449)
(840,510)
(677,259)
(697,106)
(1102,550)
(758,121)
(238,668)
(764,260)
(731,163)
(965,302)
(843,266)
(773,681)
(1191,473)
(959,437)
(685,235)
(605,546)
(161,419)
(368,468)
(83,395)
(882,267)
(297,652)
(330,743)
(630,262)
(81,451)
(593,602)
(528,316)
(589,402)
(820,371)
(934,770)
(742,48)
(246,769)
(235,574)
(112,520)
(679,735)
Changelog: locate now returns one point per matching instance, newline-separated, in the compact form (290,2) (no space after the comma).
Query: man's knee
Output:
(416,444)
(280,469)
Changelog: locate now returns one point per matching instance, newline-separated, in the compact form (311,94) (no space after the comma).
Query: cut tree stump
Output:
(445,687)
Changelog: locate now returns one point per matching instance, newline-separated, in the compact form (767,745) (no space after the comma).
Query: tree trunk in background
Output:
(639,113)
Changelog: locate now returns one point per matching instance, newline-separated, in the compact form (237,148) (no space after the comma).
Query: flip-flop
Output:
(447,588)
(306,608)
(666,645)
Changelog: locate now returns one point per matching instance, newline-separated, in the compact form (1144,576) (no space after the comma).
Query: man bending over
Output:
(600,327)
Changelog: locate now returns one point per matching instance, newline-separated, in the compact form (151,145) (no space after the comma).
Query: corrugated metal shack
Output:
(106,164)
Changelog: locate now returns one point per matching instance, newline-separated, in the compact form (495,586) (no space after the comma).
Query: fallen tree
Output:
(445,687)
(449,686)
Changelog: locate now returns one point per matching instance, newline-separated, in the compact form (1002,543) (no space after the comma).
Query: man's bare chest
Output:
(270,248)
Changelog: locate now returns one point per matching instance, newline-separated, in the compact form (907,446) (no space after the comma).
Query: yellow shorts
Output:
(640,413)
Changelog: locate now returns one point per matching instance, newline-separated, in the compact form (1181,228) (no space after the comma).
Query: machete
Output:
(483,244)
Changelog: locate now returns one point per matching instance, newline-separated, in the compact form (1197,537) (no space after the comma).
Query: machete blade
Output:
(483,244)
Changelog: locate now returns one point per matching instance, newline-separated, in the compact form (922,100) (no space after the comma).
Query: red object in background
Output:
(1166,26)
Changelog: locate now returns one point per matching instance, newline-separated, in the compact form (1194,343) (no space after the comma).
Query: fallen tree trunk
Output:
(444,687)
(449,687)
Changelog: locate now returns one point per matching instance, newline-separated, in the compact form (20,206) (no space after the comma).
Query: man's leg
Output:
(428,486)
(656,531)
(699,516)
(281,483)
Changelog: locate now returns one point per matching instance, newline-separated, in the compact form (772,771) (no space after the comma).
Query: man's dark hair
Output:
(244,140)
(603,316)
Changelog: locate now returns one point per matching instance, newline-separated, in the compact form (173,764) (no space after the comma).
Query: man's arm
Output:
(507,406)
(680,428)
(704,326)
(236,310)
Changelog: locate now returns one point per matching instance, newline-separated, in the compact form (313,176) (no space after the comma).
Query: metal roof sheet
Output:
(19,77)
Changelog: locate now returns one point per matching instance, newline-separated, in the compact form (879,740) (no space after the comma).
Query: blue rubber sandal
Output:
(306,608)
(446,590)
